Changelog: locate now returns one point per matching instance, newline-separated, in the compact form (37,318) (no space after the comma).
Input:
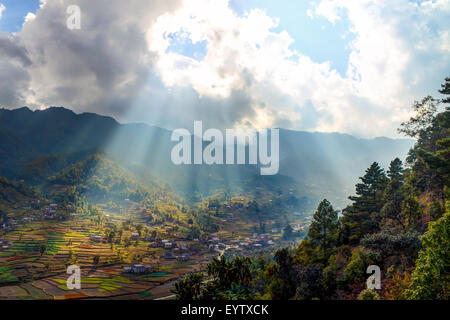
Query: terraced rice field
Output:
(34,267)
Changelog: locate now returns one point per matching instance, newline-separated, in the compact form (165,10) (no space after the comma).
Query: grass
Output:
(6,275)
(54,242)
(166,268)
(74,235)
(26,245)
(105,284)
(156,276)
(144,294)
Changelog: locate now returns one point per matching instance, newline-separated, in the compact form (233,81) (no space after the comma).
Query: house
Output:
(183,257)
(96,238)
(109,225)
(168,245)
(155,244)
(134,235)
(5,244)
(138,268)
(169,255)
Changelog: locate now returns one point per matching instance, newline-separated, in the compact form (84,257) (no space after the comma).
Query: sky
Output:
(350,66)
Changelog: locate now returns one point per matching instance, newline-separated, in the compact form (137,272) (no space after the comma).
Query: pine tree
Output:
(362,216)
(324,228)
(446,90)
(395,171)
(393,195)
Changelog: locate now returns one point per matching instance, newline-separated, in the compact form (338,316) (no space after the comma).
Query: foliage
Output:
(361,216)
(190,288)
(323,229)
(431,277)
(368,294)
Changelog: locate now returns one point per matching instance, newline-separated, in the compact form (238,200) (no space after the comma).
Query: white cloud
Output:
(30,16)
(2,8)
(250,75)
(384,73)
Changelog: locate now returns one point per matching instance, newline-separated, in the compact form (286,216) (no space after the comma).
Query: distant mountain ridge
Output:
(316,163)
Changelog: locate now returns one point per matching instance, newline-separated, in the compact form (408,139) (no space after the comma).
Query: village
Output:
(120,253)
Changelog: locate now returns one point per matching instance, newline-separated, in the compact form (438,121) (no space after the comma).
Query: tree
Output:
(445,90)
(368,294)
(430,156)
(324,228)
(411,212)
(393,194)
(431,277)
(436,156)
(362,216)
(288,233)
(392,242)
(110,236)
(310,283)
(283,275)
(395,171)
(42,249)
(226,272)
(190,288)
(418,126)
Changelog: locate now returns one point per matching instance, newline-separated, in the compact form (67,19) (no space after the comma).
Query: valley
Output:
(84,190)
(124,251)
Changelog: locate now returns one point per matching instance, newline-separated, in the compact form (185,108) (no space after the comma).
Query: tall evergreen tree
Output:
(446,90)
(362,216)
(395,171)
(393,195)
(324,228)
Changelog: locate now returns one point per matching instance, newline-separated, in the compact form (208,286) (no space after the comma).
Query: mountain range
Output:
(41,145)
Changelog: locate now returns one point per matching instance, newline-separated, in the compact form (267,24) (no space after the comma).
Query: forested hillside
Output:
(99,179)
(398,220)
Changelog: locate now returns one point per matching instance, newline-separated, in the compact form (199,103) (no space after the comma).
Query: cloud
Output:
(99,68)
(14,77)
(389,65)
(122,63)
(2,8)
(30,16)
